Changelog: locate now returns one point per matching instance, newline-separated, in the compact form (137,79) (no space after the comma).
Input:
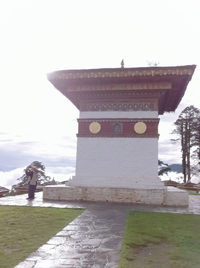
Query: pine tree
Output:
(196,144)
(163,168)
(185,129)
(43,180)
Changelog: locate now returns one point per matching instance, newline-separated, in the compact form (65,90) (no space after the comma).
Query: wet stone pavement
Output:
(93,240)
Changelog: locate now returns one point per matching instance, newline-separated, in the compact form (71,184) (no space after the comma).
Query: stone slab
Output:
(176,197)
(168,196)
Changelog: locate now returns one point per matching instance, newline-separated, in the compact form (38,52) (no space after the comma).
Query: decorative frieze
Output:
(123,73)
(94,127)
(140,127)
(118,127)
(121,86)
(137,106)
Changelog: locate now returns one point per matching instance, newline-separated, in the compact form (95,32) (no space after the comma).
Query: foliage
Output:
(187,128)
(163,168)
(24,229)
(146,229)
(43,180)
(196,145)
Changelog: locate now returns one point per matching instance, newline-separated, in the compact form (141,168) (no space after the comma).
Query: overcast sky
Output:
(39,36)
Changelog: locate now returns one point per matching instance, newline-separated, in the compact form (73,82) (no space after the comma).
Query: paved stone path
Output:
(93,240)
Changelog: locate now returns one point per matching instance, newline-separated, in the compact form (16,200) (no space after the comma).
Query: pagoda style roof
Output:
(3,191)
(167,84)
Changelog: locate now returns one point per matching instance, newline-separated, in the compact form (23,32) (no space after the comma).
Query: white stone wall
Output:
(117,162)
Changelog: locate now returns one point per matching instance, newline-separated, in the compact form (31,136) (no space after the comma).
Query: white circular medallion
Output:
(140,127)
(94,127)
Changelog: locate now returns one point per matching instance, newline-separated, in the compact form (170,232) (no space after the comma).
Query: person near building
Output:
(33,175)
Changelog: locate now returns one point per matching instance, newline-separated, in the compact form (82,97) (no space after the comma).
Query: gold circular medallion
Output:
(94,127)
(140,127)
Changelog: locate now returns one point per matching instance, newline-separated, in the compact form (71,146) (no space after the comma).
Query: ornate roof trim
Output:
(121,86)
(123,73)
(166,84)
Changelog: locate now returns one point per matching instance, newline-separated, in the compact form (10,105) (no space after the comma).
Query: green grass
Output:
(24,229)
(193,193)
(180,232)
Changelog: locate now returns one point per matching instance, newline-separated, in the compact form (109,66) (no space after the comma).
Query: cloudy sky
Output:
(39,36)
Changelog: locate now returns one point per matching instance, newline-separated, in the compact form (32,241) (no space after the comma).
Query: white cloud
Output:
(61,173)
(169,153)
(178,177)
(9,178)
(173,176)
(37,37)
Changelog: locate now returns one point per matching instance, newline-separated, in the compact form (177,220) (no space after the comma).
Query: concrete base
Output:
(168,196)
(123,182)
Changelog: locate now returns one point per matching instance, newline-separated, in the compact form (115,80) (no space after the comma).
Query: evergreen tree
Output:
(163,168)
(43,180)
(196,145)
(185,129)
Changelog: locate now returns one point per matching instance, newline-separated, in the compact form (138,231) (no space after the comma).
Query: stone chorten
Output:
(117,140)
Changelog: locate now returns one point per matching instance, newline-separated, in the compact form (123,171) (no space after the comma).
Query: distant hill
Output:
(176,168)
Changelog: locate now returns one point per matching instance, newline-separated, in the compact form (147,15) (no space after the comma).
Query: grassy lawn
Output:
(193,193)
(24,229)
(161,240)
